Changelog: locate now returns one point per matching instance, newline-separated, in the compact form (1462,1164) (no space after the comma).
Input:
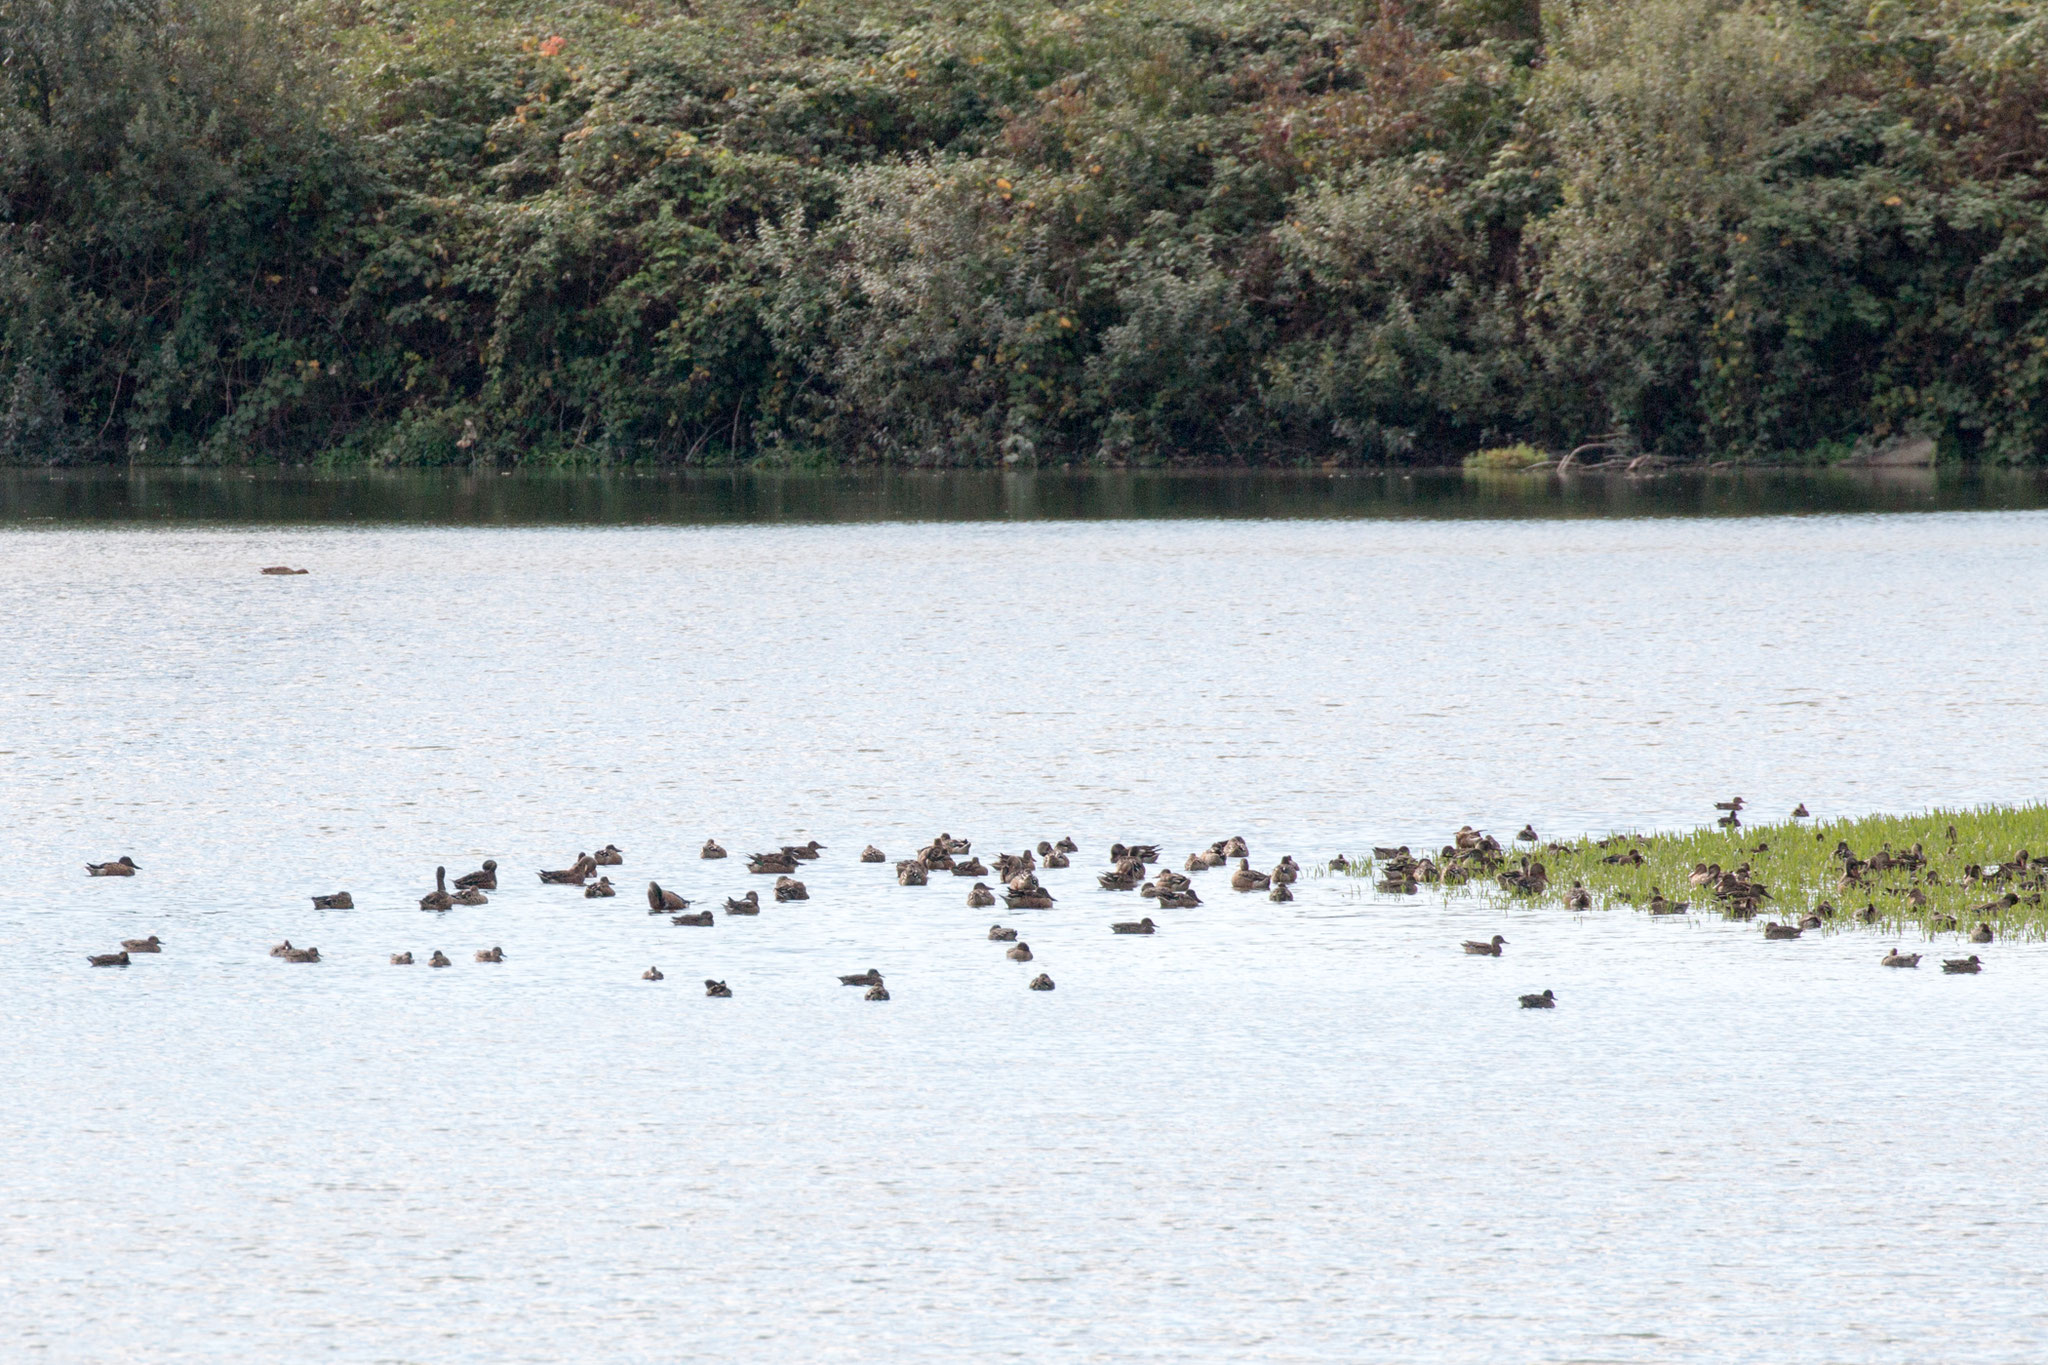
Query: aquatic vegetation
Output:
(1518,456)
(1939,871)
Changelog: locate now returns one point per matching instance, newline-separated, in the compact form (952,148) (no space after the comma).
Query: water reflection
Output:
(452,497)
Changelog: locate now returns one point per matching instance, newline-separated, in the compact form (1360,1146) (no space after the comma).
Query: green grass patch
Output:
(1991,856)
(1518,456)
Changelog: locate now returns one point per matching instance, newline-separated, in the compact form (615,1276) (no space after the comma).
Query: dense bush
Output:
(1128,230)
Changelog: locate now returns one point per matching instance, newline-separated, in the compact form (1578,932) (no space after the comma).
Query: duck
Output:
(871,854)
(1032,897)
(1578,898)
(1182,900)
(611,855)
(717,990)
(790,889)
(1660,906)
(1775,930)
(1281,892)
(1731,806)
(711,850)
(1492,949)
(1811,922)
(804,852)
(303,955)
(123,866)
(870,977)
(1981,934)
(980,897)
(1962,966)
(1143,926)
(439,959)
(1992,907)
(702,919)
(438,898)
(652,974)
(1340,863)
(749,904)
(1120,879)
(1800,812)
(1528,834)
(1868,914)
(1545,1001)
(1019,953)
(1287,871)
(1244,879)
(1065,844)
(877,992)
(340,900)
(971,868)
(280,949)
(152,944)
(119,959)
(600,889)
(660,902)
(999,934)
(401,959)
(1235,847)
(1057,859)
(490,955)
(912,872)
(1895,958)
(1041,982)
(484,878)
(470,895)
(577,873)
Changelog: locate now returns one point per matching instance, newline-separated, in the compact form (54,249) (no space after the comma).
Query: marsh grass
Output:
(1797,861)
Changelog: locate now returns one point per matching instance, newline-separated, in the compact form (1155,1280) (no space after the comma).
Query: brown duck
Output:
(577,873)
(660,902)
(1485,949)
(152,944)
(1143,926)
(340,900)
(711,850)
(601,889)
(611,855)
(123,866)
(438,898)
(484,878)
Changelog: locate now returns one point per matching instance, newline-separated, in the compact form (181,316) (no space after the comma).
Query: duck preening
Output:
(490,955)
(749,904)
(1041,982)
(877,992)
(1895,958)
(717,990)
(1001,935)
(652,974)
(340,900)
(1066,844)
(280,949)
(711,850)
(438,898)
(1545,1001)
(152,944)
(1143,926)
(611,855)
(123,866)
(870,977)
(577,873)
(790,889)
(484,878)
(401,959)
(660,902)
(1962,966)
(871,854)
(600,889)
(119,959)
(702,919)
(1485,949)
(470,895)
(912,872)
(1024,893)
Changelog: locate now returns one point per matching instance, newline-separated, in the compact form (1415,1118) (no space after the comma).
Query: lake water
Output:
(1306,1132)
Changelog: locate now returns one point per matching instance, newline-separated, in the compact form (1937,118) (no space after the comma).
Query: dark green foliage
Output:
(1260,231)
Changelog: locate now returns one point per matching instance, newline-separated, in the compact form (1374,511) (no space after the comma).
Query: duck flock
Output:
(1133,867)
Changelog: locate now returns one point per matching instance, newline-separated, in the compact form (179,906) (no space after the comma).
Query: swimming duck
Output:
(1057,859)
(1028,897)
(577,873)
(1962,966)
(749,904)
(490,955)
(600,889)
(1528,834)
(1288,870)
(1041,982)
(1235,847)
(153,944)
(1182,900)
(652,974)
(123,866)
(280,949)
(484,878)
(660,902)
(611,855)
(119,959)
(1578,898)
(1244,879)
(1895,958)
(912,872)
(1143,926)
(971,868)
(1800,812)
(1340,863)
(1020,953)
(283,571)
(438,898)
(1734,805)
(401,959)
(1773,929)
(1981,934)
(303,955)
(702,919)
(1280,893)
(1001,935)
(439,959)
(1811,922)
(980,897)
(804,852)
(1660,906)
(1066,844)
(1545,1001)
(470,895)
(870,977)
(717,990)
(340,900)
(871,854)
(711,850)
(1119,880)
(1486,949)
(876,992)
(790,889)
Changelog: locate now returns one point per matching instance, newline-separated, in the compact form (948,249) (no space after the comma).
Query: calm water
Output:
(1312,1132)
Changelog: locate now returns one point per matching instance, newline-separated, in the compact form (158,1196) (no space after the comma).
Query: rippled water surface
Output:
(1306,1132)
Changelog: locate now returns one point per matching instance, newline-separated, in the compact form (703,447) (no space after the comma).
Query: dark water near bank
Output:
(464,498)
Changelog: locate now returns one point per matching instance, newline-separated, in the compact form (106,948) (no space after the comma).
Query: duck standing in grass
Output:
(1492,949)
(123,866)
